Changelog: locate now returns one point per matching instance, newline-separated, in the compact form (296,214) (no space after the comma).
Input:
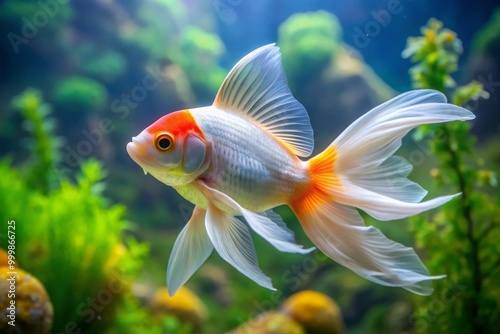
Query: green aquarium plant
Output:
(42,143)
(132,317)
(80,94)
(200,52)
(462,238)
(158,25)
(67,233)
(107,64)
(308,42)
(22,17)
(487,40)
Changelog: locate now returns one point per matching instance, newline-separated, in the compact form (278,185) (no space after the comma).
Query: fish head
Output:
(173,149)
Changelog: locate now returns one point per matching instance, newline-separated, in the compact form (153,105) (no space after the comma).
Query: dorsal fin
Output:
(257,88)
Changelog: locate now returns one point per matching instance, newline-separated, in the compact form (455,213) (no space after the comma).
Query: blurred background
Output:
(93,234)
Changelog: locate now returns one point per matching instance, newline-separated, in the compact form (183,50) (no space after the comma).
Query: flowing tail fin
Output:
(358,171)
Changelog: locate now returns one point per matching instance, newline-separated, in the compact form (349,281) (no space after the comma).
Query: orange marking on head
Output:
(178,123)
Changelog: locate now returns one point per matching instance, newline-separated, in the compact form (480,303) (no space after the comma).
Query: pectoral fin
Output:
(233,242)
(191,249)
(268,225)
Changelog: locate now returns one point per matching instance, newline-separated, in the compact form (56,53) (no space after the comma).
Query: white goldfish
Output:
(240,157)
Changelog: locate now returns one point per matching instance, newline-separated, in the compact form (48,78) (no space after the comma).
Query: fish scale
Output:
(257,173)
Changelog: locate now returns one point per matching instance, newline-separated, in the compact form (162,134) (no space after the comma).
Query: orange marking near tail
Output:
(323,179)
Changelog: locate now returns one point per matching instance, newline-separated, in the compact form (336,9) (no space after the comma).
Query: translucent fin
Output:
(390,179)
(233,242)
(326,212)
(276,219)
(257,89)
(371,179)
(274,231)
(269,226)
(383,207)
(375,136)
(340,233)
(191,249)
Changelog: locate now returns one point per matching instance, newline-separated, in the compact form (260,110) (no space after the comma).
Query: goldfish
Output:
(247,154)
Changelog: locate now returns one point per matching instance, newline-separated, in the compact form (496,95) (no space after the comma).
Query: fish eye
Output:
(164,142)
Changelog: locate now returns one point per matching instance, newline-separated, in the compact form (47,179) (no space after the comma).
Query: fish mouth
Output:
(135,150)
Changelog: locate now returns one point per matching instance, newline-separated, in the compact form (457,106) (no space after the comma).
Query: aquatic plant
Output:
(463,236)
(436,56)
(159,23)
(132,317)
(80,94)
(18,12)
(104,64)
(69,236)
(162,35)
(200,52)
(43,143)
(487,40)
(308,42)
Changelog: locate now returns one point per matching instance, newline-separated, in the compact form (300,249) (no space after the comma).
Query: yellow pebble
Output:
(4,257)
(315,312)
(33,309)
(270,323)
(185,305)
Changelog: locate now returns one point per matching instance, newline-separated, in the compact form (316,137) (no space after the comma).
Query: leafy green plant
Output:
(105,64)
(463,237)
(43,144)
(134,318)
(14,11)
(200,52)
(80,94)
(487,39)
(159,25)
(67,234)
(309,41)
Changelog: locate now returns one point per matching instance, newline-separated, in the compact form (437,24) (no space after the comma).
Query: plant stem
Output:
(474,242)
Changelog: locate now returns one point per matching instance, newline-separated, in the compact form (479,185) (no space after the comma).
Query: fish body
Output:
(246,154)
(247,164)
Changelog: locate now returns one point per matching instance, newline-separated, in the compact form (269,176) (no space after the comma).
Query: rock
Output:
(33,308)
(315,312)
(185,305)
(270,323)
(4,257)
